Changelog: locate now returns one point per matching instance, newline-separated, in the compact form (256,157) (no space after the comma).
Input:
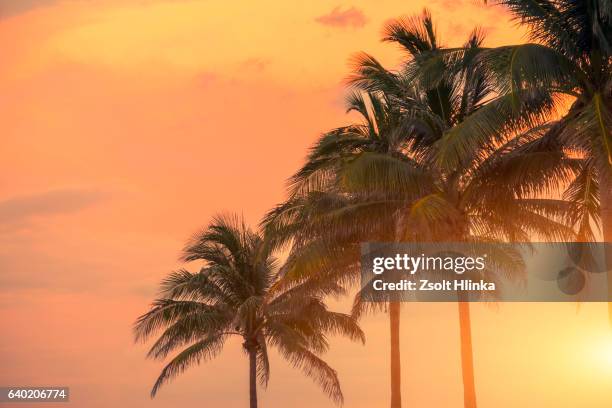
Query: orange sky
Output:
(127,123)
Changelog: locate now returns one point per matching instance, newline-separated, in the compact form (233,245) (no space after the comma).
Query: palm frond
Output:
(203,350)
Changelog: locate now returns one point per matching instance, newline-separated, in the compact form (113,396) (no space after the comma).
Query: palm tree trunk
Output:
(394,326)
(396,373)
(467,355)
(252,378)
(605,198)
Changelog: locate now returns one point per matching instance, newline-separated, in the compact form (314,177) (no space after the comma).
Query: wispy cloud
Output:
(12,7)
(351,17)
(255,64)
(19,209)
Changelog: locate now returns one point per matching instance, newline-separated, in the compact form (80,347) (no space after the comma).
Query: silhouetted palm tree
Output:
(571,57)
(382,180)
(237,292)
(331,210)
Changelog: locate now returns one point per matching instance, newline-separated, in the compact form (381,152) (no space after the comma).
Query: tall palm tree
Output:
(381,180)
(237,292)
(570,59)
(329,212)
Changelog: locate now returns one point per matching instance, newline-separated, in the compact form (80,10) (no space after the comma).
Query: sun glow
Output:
(602,351)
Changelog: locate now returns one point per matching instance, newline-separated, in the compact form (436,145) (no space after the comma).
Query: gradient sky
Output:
(127,123)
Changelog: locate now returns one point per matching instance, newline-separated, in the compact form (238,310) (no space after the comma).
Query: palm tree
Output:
(570,59)
(381,179)
(329,212)
(238,293)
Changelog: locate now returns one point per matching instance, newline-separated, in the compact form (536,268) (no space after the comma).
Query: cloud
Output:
(450,4)
(207,78)
(255,64)
(12,7)
(351,17)
(25,268)
(19,209)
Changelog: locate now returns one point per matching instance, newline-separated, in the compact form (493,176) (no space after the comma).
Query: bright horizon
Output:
(128,124)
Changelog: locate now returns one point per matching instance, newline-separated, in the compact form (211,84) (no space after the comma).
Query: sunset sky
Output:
(126,124)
